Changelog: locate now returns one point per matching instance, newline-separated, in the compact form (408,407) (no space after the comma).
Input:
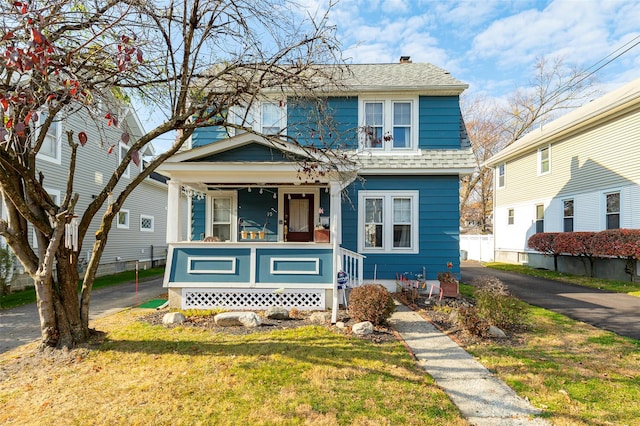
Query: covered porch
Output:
(259,233)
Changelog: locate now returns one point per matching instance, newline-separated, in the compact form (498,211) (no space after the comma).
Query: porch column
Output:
(336,238)
(174,218)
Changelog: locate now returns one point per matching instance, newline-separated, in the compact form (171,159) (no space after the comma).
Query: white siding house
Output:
(140,231)
(577,173)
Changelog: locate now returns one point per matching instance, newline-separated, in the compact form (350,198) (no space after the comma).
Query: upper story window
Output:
(544,160)
(567,225)
(273,118)
(388,125)
(52,144)
(511,216)
(122,152)
(500,171)
(613,210)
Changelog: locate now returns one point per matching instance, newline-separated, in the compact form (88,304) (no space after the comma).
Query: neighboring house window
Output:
(272,118)
(388,125)
(613,210)
(55,197)
(388,221)
(123,219)
(500,174)
(539,218)
(51,146)
(122,153)
(567,225)
(242,117)
(510,216)
(544,160)
(146,223)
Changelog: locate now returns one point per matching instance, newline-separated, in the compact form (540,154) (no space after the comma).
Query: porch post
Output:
(334,233)
(174,219)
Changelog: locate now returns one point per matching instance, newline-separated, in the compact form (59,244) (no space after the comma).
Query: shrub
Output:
(371,302)
(469,319)
(497,306)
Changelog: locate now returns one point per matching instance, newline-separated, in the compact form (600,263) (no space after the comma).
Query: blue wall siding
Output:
(439,220)
(198,218)
(206,135)
(253,209)
(334,125)
(249,152)
(439,119)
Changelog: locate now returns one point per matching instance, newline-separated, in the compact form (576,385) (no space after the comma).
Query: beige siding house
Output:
(140,231)
(578,173)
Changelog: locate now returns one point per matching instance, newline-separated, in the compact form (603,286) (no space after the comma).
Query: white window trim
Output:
(573,216)
(387,126)
(509,217)
(58,158)
(282,121)
(55,194)
(234,212)
(604,208)
(153,223)
(504,175)
(126,172)
(548,148)
(123,225)
(387,220)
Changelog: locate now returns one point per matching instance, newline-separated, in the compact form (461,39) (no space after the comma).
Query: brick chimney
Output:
(405,59)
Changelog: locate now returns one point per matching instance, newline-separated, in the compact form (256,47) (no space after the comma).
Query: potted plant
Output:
(448,282)
(262,234)
(244,234)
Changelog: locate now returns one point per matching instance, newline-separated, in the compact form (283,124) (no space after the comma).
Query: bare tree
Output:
(554,90)
(193,60)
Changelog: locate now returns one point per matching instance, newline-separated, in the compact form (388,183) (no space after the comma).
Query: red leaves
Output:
(82,138)
(37,37)
(110,150)
(135,157)
(112,119)
(623,243)
(8,36)
(5,103)
(125,138)
(23,6)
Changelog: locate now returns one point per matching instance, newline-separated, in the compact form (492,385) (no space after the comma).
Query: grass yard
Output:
(578,374)
(628,287)
(144,374)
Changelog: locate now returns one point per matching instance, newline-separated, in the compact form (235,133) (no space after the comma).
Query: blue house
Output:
(272,224)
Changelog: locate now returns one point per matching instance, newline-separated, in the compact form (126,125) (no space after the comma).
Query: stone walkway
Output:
(481,397)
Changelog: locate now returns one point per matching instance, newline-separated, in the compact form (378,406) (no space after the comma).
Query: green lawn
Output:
(28,295)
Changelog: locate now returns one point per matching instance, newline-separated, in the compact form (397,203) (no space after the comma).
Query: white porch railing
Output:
(352,263)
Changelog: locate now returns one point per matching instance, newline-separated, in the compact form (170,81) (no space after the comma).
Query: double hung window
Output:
(388,221)
(388,125)
(613,210)
(51,146)
(567,225)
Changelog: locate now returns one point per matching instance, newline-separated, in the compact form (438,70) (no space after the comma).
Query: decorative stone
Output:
(231,319)
(340,325)
(496,332)
(320,317)
(362,328)
(173,318)
(277,313)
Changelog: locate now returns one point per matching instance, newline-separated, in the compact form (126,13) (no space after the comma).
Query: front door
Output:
(298,217)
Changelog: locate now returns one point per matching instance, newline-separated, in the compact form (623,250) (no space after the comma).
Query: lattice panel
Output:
(303,299)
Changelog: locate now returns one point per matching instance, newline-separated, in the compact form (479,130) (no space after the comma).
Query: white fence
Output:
(477,247)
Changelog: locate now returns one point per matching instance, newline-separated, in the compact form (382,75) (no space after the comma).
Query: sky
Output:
(492,45)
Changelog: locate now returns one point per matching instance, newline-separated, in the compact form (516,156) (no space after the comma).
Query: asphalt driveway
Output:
(615,312)
(22,324)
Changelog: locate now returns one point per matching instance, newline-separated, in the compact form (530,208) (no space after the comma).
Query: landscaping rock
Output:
(496,332)
(320,317)
(277,313)
(231,319)
(340,325)
(173,318)
(362,328)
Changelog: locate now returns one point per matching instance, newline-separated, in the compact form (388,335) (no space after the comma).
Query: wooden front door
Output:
(298,217)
